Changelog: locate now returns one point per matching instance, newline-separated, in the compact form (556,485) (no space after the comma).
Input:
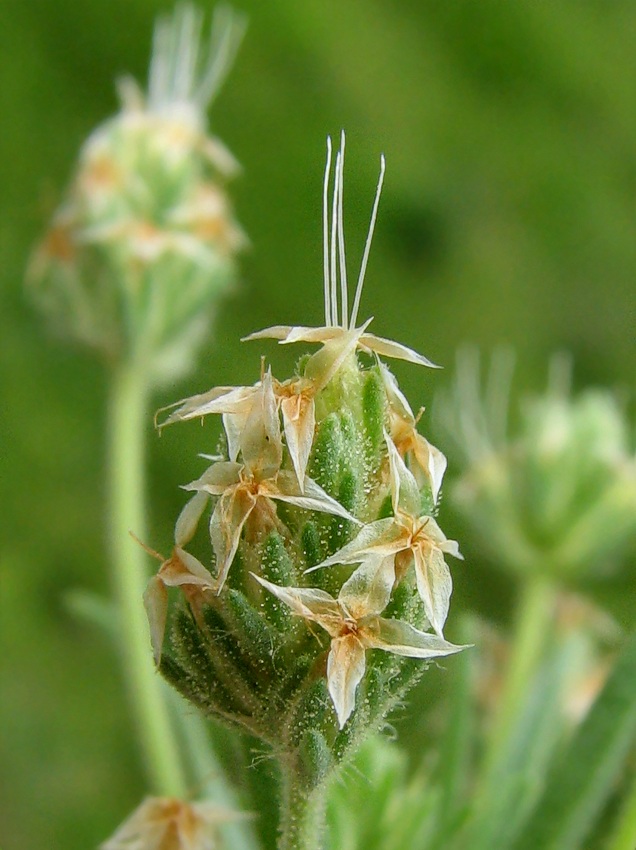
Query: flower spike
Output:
(306,458)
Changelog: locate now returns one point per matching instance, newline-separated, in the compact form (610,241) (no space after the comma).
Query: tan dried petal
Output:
(345,668)
(368,590)
(229,516)
(299,421)
(434,584)
(309,603)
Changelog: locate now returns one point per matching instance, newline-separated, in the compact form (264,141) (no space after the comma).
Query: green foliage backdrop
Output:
(507,218)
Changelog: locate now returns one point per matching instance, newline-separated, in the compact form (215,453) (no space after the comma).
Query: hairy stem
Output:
(303,813)
(126,443)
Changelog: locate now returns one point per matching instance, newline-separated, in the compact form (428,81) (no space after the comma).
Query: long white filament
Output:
(344,306)
(334,255)
(325,234)
(367,247)
(228,29)
(334,224)
(182,71)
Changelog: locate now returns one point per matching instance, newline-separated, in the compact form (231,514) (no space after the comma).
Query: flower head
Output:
(141,248)
(305,457)
(354,625)
(558,492)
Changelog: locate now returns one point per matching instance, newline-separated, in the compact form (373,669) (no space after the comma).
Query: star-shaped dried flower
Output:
(233,403)
(180,570)
(342,331)
(404,537)
(168,823)
(426,462)
(354,625)
(250,486)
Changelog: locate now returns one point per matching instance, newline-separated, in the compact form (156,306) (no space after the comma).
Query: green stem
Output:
(126,443)
(302,814)
(457,742)
(534,617)
(625,836)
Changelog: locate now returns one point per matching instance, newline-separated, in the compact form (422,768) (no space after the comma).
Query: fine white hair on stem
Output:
(367,247)
(325,232)
(181,70)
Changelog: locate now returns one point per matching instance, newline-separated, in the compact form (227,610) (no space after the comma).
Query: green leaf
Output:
(584,777)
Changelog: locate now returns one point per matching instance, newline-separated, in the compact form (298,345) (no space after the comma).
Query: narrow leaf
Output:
(584,777)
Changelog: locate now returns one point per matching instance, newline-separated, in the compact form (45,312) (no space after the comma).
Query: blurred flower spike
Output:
(558,496)
(140,251)
(324,469)
(167,823)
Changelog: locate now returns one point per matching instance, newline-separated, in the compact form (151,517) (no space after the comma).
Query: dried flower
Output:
(426,462)
(181,570)
(354,625)
(167,823)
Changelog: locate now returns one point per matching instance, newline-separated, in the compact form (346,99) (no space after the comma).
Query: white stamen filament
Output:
(367,247)
(181,70)
(334,243)
(334,223)
(344,306)
(325,232)
(227,32)
(186,41)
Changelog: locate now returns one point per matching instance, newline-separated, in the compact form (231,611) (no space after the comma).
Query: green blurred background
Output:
(507,217)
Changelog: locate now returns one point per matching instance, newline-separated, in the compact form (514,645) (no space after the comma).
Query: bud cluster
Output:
(329,582)
(141,247)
